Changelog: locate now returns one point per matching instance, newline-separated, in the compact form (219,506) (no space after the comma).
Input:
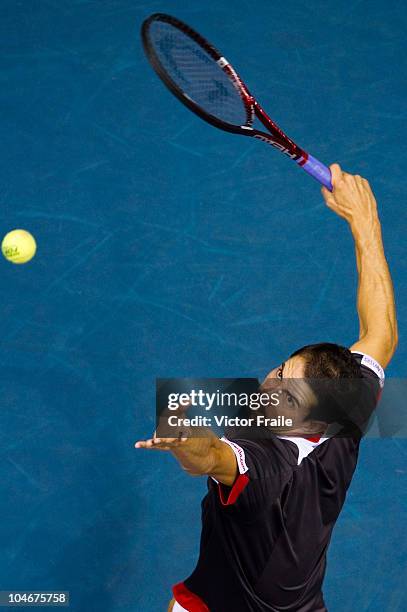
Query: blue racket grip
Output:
(319,171)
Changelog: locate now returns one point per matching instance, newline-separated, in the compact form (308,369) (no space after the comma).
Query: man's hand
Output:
(353,200)
(195,455)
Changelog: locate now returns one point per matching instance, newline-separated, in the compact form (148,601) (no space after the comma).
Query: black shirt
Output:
(264,540)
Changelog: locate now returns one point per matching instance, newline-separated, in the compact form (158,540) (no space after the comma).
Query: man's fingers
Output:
(337,174)
(144,443)
(152,445)
(328,196)
(160,443)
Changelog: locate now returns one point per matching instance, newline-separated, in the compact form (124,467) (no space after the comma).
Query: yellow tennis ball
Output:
(18,246)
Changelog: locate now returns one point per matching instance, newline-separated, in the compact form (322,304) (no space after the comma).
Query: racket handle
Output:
(319,171)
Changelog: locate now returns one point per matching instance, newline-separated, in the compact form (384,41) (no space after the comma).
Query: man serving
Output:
(272,503)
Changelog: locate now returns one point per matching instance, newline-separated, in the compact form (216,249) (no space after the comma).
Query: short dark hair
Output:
(328,360)
(326,366)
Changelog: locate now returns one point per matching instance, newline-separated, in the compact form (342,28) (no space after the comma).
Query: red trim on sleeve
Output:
(187,599)
(240,484)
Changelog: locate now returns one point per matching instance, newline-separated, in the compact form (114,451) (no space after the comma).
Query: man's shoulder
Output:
(266,449)
(369,367)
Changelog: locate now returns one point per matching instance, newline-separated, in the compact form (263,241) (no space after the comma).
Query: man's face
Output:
(296,397)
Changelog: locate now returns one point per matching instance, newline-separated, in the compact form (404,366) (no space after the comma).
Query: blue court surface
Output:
(168,248)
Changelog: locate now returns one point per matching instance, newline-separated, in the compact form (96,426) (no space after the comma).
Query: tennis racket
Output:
(202,79)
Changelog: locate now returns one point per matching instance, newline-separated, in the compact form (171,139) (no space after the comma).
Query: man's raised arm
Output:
(353,200)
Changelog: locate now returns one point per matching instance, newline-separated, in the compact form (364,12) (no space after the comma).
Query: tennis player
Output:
(272,503)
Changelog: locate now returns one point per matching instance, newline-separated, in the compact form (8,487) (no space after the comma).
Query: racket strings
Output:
(197,74)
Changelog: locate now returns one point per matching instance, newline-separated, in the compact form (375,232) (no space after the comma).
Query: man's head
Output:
(311,391)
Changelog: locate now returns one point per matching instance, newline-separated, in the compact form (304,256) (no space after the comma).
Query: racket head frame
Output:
(242,90)
(274,135)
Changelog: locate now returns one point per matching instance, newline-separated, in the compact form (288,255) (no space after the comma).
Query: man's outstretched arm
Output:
(353,200)
(199,456)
